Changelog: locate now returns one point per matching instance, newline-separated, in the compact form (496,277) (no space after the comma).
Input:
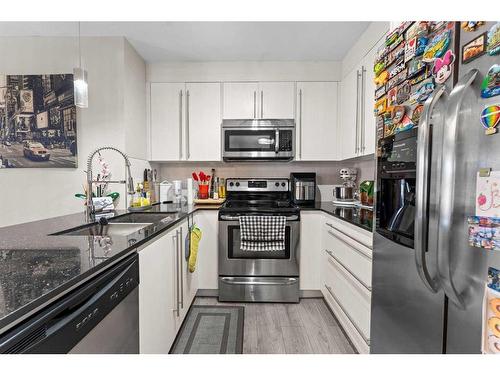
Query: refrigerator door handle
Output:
(422,190)
(447,193)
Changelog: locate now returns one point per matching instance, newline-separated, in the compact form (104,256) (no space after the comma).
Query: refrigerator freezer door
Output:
(469,265)
(406,317)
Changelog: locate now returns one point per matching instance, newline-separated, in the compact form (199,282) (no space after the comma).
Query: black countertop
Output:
(37,267)
(361,217)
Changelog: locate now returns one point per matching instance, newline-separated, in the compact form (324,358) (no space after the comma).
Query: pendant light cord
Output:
(79,44)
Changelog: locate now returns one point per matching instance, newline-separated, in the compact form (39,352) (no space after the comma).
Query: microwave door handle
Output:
(447,193)
(277,142)
(422,190)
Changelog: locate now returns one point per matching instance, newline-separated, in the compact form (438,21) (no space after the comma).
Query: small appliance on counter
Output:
(345,194)
(303,188)
(166,193)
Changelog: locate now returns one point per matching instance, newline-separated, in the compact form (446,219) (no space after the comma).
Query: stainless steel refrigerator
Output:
(428,283)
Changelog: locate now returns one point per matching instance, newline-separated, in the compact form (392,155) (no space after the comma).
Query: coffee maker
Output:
(303,188)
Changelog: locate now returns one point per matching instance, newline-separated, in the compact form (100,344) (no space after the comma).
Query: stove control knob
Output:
(283,184)
(231,184)
(237,184)
(277,184)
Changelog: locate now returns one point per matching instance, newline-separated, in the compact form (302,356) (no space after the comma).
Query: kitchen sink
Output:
(111,229)
(142,217)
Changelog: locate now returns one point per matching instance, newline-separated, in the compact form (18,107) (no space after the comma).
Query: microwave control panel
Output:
(286,140)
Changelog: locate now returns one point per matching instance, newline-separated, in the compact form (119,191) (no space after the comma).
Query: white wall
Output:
(32,194)
(366,41)
(244,71)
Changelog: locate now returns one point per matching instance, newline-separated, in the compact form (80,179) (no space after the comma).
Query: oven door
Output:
(256,143)
(236,262)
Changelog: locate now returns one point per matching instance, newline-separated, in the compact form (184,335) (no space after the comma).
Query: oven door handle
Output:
(236,218)
(243,281)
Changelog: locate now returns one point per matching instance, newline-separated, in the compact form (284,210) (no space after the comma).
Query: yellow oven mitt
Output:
(193,245)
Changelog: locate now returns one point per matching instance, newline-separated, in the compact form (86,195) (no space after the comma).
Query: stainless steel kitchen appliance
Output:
(428,283)
(303,188)
(261,276)
(100,317)
(254,140)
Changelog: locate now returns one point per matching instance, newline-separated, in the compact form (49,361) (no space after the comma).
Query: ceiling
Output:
(213,41)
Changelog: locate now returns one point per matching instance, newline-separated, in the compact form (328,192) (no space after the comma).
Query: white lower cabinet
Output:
(166,290)
(346,278)
(207,267)
(310,254)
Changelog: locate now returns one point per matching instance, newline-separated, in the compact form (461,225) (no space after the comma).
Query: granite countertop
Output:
(359,216)
(36,267)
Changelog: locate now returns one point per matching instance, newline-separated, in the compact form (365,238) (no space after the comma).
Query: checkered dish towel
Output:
(262,233)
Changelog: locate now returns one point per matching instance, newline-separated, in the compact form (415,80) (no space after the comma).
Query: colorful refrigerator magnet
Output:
(488,195)
(410,49)
(474,49)
(493,45)
(422,42)
(403,93)
(490,117)
(491,82)
(443,67)
(392,97)
(405,124)
(437,46)
(471,25)
(417,113)
(424,91)
(382,78)
(397,114)
(381,106)
(484,232)
(490,337)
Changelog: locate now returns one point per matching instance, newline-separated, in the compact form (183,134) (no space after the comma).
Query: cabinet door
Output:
(310,250)
(368,137)
(276,100)
(203,121)
(317,120)
(156,296)
(240,100)
(166,105)
(349,121)
(207,266)
(189,284)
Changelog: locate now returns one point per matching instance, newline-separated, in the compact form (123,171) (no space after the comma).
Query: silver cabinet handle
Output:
(447,194)
(277,142)
(329,252)
(261,104)
(181,266)
(356,147)
(188,152)
(180,124)
(280,281)
(177,310)
(366,339)
(348,236)
(300,124)
(422,189)
(362,104)
(255,104)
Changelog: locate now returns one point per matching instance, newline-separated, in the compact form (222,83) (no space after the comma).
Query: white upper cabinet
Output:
(185,121)
(369,137)
(257,100)
(349,119)
(276,100)
(317,121)
(203,121)
(357,120)
(166,120)
(240,100)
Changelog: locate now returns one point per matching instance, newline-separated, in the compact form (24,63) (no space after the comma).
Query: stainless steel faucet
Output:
(90,180)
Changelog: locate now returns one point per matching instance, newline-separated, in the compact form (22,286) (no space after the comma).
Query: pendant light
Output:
(81,87)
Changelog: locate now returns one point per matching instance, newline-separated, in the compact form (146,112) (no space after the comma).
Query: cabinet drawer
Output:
(350,297)
(353,256)
(351,232)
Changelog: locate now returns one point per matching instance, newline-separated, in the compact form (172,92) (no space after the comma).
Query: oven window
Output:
(396,209)
(234,251)
(249,140)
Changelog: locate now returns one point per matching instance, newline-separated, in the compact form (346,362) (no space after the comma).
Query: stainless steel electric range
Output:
(259,276)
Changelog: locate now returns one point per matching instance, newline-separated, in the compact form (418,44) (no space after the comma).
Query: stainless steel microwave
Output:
(254,140)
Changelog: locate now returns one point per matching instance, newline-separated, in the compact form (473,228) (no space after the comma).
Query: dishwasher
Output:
(99,317)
